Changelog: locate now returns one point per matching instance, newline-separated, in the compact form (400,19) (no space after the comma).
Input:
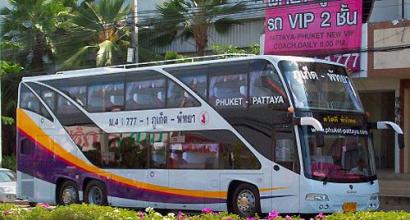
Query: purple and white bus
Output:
(245,134)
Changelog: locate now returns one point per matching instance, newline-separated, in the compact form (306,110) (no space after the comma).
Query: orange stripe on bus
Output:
(26,124)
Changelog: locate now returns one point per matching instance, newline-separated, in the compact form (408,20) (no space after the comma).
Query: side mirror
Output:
(400,141)
(390,125)
(312,122)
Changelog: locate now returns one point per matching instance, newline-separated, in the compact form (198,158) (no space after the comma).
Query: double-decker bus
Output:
(244,134)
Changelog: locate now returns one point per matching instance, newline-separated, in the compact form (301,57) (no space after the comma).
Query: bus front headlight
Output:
(316,197)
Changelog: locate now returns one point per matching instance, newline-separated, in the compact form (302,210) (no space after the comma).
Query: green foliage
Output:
(31,25)
(7,120)
(90,212)
(8,67)
(172,55)
(9,162)
(183,19)
(254,49)
(396,215)
(97,30)
(6,70)
(226,49)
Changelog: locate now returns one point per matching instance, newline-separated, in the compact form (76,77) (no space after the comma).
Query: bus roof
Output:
(124,68)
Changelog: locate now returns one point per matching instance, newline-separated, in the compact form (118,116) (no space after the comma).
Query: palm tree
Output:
(98,31)
(30,24)
(192,19)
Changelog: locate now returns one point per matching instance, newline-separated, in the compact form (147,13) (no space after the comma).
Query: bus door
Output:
(157,174)
(285,171)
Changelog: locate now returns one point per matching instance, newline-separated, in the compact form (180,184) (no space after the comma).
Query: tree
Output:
(97,31)
(30,24)
(229,49)
(192,19)
(10,77)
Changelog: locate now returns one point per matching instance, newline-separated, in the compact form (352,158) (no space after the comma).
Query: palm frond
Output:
(105,53)
(78,57)
(225,10)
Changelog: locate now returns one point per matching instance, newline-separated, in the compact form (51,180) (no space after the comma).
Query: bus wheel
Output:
(245,200)
(95,193)
(68,193)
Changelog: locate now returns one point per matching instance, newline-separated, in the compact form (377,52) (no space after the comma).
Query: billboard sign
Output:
(319,28)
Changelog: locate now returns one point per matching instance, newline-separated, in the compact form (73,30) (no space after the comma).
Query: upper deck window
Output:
(228,90)
(265,86)
(320,86)
(198,83)
(235,84)
(177,97)
(77,93)
(30,102)
(145,94)
(195,77)
(106,97)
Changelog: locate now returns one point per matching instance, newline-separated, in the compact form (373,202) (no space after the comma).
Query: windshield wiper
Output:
(325,179)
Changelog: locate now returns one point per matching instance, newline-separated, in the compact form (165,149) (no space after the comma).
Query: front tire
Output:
(95,193)
(245,201)
(68,193)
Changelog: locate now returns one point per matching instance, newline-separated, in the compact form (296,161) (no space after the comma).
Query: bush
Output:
(90,212)
(9,162)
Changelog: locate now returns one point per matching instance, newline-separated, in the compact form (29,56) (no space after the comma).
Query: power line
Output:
(247,11)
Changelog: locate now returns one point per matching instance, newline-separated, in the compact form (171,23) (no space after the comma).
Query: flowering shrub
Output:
(90,212)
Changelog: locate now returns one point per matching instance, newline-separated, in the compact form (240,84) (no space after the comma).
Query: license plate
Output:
(349,207)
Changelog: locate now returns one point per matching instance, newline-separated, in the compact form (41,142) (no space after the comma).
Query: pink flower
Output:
(273,215)
(44,205)
(6,212)
(320,216)
(180,215)
(287,217)
(140,215)
(250,218)
(207,211)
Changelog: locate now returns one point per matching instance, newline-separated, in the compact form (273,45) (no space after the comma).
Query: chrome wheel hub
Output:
(95,196)
(246,201)
(69,195)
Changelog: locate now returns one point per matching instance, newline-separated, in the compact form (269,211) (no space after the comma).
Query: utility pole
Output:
(134,34)
(1,131)
(402,9)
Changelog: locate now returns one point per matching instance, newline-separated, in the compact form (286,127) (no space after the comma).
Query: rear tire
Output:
(245,200)
(95,193)
(68,193)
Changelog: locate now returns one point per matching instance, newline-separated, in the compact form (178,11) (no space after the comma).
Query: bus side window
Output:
(195,77)
(106,97)
(158,150)
(145,93)
(265,86)
(285,150)
(228,90)
(77,93)
(228,84)
(31,103)
(177,97)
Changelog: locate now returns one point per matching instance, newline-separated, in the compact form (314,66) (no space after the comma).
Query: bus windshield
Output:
(320,86)
(343,158)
